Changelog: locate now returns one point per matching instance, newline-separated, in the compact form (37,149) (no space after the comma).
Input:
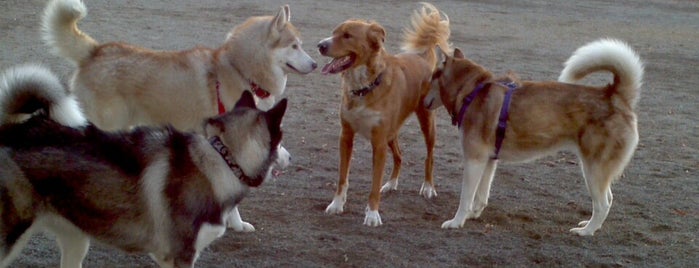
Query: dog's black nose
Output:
(323,47)
(314,65)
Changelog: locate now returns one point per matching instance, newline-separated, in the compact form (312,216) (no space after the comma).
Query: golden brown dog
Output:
(380,91)
(596,123)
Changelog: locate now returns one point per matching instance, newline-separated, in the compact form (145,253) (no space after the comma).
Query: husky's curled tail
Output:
(30,90)
(610,55)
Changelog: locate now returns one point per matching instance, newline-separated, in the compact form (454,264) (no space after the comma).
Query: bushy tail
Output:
(59,29)
(613,56)
(28,90)
(427,30)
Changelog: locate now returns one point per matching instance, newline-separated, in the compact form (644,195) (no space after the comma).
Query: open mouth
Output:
(339,64)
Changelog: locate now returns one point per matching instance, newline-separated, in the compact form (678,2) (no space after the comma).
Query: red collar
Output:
(259,92)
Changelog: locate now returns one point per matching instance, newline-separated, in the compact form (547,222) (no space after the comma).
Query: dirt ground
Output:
(654,221)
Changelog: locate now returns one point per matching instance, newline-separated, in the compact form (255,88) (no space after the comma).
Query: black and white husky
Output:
(154,190)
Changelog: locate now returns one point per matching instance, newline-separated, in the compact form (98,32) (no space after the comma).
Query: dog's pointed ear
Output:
(246,100)
(281,18)
(458,54)
(288,12)
(376,36)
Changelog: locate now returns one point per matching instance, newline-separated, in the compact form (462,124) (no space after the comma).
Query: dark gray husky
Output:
(151,190)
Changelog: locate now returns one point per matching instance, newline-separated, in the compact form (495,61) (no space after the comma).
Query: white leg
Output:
(372,218)
(481,199)
(235,222)
(601,194)
(473,172)
(338,203)
(207,234)
(74,246)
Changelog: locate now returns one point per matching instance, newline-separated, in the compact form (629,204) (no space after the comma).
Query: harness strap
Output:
(502,121)
(457,121)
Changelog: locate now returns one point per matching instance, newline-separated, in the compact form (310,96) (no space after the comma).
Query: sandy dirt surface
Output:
(655,217)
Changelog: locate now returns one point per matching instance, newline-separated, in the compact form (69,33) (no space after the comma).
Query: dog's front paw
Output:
(427,190)
(453,224)
(235,222)
(391,185)
(241,226)
(372,218)
(336,206)
(584,229)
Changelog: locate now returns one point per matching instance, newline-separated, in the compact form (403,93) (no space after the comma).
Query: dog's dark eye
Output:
(295,46)
(346,36)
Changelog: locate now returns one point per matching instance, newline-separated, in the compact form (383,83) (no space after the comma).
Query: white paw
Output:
(372,218)
(453,224)
(391,185)
(582,231)
(283,158)
(427,190)
(241,226)
(235,222)
(336,206)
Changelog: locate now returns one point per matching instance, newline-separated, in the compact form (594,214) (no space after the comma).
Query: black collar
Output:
(221,148)
(361,92)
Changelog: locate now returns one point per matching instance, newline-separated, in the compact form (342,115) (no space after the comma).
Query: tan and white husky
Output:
(120,85)
(596,123)
(150,190)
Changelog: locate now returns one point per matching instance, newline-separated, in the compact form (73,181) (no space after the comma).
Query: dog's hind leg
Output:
(392,184)
(481,199)
(73,242)
(601,166)
(427,125)
(598,182)
(473,173)
(73,249)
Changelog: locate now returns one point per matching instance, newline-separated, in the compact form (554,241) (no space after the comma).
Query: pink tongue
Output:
(331,67)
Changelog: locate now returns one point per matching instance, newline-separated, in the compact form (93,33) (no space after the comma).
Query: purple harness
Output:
(504,112)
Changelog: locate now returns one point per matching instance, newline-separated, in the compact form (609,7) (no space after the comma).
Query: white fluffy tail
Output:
(59,29)
(610,55)
(28,90)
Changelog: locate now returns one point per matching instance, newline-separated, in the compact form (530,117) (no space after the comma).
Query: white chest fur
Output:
(362,119)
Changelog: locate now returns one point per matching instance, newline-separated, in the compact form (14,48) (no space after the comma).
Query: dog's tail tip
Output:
(59,30)
(28,90)
(612,55)
(429,28)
